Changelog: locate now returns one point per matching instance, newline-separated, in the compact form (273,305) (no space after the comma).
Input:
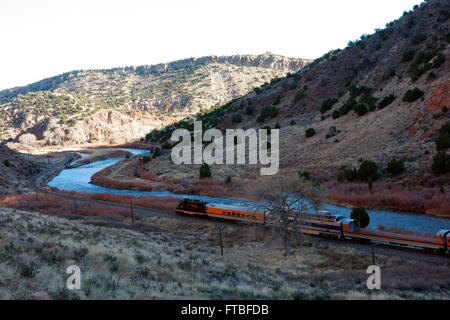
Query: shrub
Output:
(443,139)
(360,109)
(249,110)
(146,159)
(305,175)
(441,163)
(415,72)
(6,162)
(28,270)
(205,171)
(396,167)
(299,95)
(412,95)
(310,132)
(167,145)
(260,119)
(408,55)
(356,91)
(361,215)
(292,122)
(332,131)
(236,118)
(267,112)
(419,38)
(368,169)
(369,100)
(350,174)
(347,107)
(156,152)
(80,253)
(387,100)
(335,114)
(277,101)
(269,130)
(327,105)
(438,61)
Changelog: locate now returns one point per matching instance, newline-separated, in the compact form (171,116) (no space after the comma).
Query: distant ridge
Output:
(121,104)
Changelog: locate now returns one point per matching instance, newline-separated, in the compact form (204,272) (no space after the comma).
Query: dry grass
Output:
(167,258)
(56,205)
(412,198)
(163,203)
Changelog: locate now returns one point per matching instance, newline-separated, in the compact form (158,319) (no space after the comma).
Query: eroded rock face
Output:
(122,104)
(108,126)
(440,97)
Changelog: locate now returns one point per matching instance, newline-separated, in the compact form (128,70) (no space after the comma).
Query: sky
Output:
(43,38)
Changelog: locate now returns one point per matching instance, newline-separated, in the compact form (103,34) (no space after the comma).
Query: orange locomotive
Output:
(199,208)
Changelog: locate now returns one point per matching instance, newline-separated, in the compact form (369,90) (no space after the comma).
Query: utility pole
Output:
(132,213)
(75,206)
(373,255)
(220,240)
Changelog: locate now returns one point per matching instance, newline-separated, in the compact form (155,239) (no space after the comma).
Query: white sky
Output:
(43,38)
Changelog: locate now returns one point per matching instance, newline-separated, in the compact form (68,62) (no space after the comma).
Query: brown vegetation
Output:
(57,205)
(163,203)
(390,196)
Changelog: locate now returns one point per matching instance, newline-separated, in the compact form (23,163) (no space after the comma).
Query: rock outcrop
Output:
(122,104)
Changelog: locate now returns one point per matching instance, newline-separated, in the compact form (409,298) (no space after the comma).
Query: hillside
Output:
(362,103)
(18,167)
(15,169)
(122,104)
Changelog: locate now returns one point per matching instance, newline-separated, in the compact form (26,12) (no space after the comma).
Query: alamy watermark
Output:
(73,282)
(374,280)
(190,149)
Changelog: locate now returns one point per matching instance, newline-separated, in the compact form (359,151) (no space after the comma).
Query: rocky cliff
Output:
(122,103)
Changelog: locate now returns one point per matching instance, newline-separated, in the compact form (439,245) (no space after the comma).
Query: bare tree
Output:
(285,199)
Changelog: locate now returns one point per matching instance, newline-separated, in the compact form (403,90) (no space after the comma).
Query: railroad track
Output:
(38,182)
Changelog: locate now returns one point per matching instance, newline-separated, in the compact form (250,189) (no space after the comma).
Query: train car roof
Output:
(232,207)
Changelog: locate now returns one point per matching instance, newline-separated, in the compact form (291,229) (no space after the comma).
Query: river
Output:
(77,179)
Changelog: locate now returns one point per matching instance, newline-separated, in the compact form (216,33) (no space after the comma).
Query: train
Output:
(200,208)
(322,223)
